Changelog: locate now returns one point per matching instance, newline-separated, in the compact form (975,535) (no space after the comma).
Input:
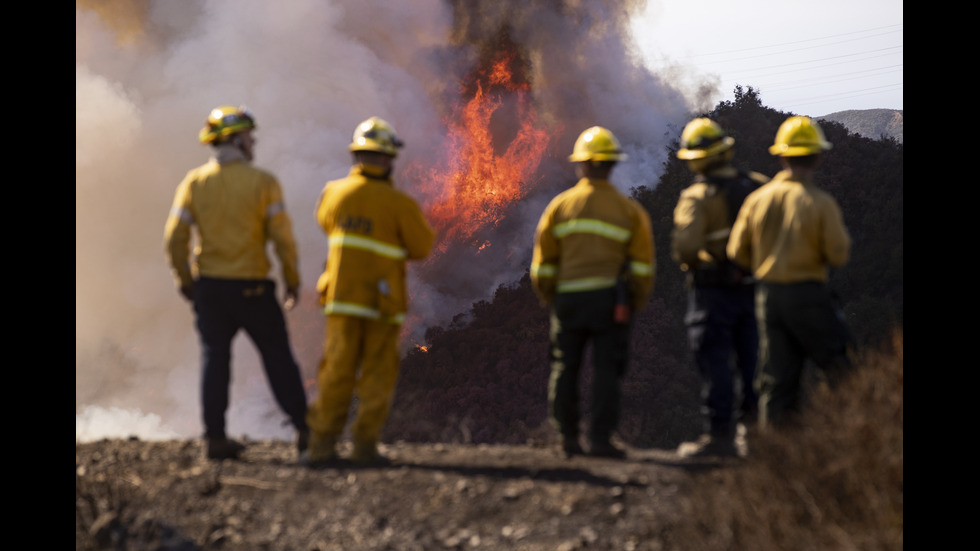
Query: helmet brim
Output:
(581,158)
(354,148)
(210,135)
(725,144)
(783,150)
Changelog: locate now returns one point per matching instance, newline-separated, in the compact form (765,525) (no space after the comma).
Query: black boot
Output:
(571,447)
(224,448)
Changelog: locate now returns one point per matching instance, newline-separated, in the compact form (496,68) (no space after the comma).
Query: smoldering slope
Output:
(147,73)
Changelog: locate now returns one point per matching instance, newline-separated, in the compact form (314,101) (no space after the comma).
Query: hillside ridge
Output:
(871,123)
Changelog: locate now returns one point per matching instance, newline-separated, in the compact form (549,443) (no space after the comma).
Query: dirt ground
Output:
(139,495)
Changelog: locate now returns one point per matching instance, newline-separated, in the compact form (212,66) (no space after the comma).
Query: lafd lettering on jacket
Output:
(373,229)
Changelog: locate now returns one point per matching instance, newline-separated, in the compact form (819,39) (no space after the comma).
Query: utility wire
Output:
(782,44)
(812,82)
(758,77)
(847,95)
(887,52)
(809,68)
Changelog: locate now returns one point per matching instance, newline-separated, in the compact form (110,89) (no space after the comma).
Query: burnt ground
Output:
(163,495)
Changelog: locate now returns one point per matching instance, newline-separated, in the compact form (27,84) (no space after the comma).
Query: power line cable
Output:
(823,80)
(760,75)
(887,50)
(838,97)
(784,71)
(779,45)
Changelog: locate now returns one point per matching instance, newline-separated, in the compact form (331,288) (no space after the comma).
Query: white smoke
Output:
(146,75)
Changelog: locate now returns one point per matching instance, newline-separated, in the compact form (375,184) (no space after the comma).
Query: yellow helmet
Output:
(702,138)
(597,144)
(799,136)
(224,121)
(375,134)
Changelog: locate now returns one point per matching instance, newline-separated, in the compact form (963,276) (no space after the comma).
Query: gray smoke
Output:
(146,75)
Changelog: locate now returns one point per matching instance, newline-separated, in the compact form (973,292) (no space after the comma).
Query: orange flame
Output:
(473,190)
(492,156)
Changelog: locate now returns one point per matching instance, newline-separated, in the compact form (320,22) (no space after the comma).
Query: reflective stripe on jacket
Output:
(237,208)
(373,229)
(585,236)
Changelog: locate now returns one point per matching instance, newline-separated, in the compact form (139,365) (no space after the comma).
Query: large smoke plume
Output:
(147,73)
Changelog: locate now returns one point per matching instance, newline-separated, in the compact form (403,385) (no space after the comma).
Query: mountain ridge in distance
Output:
(871,123)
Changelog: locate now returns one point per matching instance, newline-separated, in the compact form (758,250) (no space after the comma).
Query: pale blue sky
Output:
(806,57)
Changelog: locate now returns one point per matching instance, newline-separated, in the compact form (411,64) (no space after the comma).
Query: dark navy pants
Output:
(223,307)
(724,337)
(577,320)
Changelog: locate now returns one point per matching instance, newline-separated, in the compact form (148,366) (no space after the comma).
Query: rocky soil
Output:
(153,495)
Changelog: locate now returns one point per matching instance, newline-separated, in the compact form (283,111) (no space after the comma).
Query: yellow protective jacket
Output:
(585,236)
(788,231)
(373,229)
(237,209)
(702,222)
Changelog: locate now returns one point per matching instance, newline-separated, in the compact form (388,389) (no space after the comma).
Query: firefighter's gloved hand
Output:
(292,297)
(187,291)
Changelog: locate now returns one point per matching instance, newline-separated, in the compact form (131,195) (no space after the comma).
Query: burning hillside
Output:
(519,99)
(494,147)
(485,172)
(488,96)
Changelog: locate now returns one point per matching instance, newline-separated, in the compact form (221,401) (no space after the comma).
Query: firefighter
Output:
(590,241)
(236,209)
(720,319)
(790,233)
(373,228)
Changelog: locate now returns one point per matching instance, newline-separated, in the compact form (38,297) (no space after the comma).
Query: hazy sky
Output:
(809,58)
